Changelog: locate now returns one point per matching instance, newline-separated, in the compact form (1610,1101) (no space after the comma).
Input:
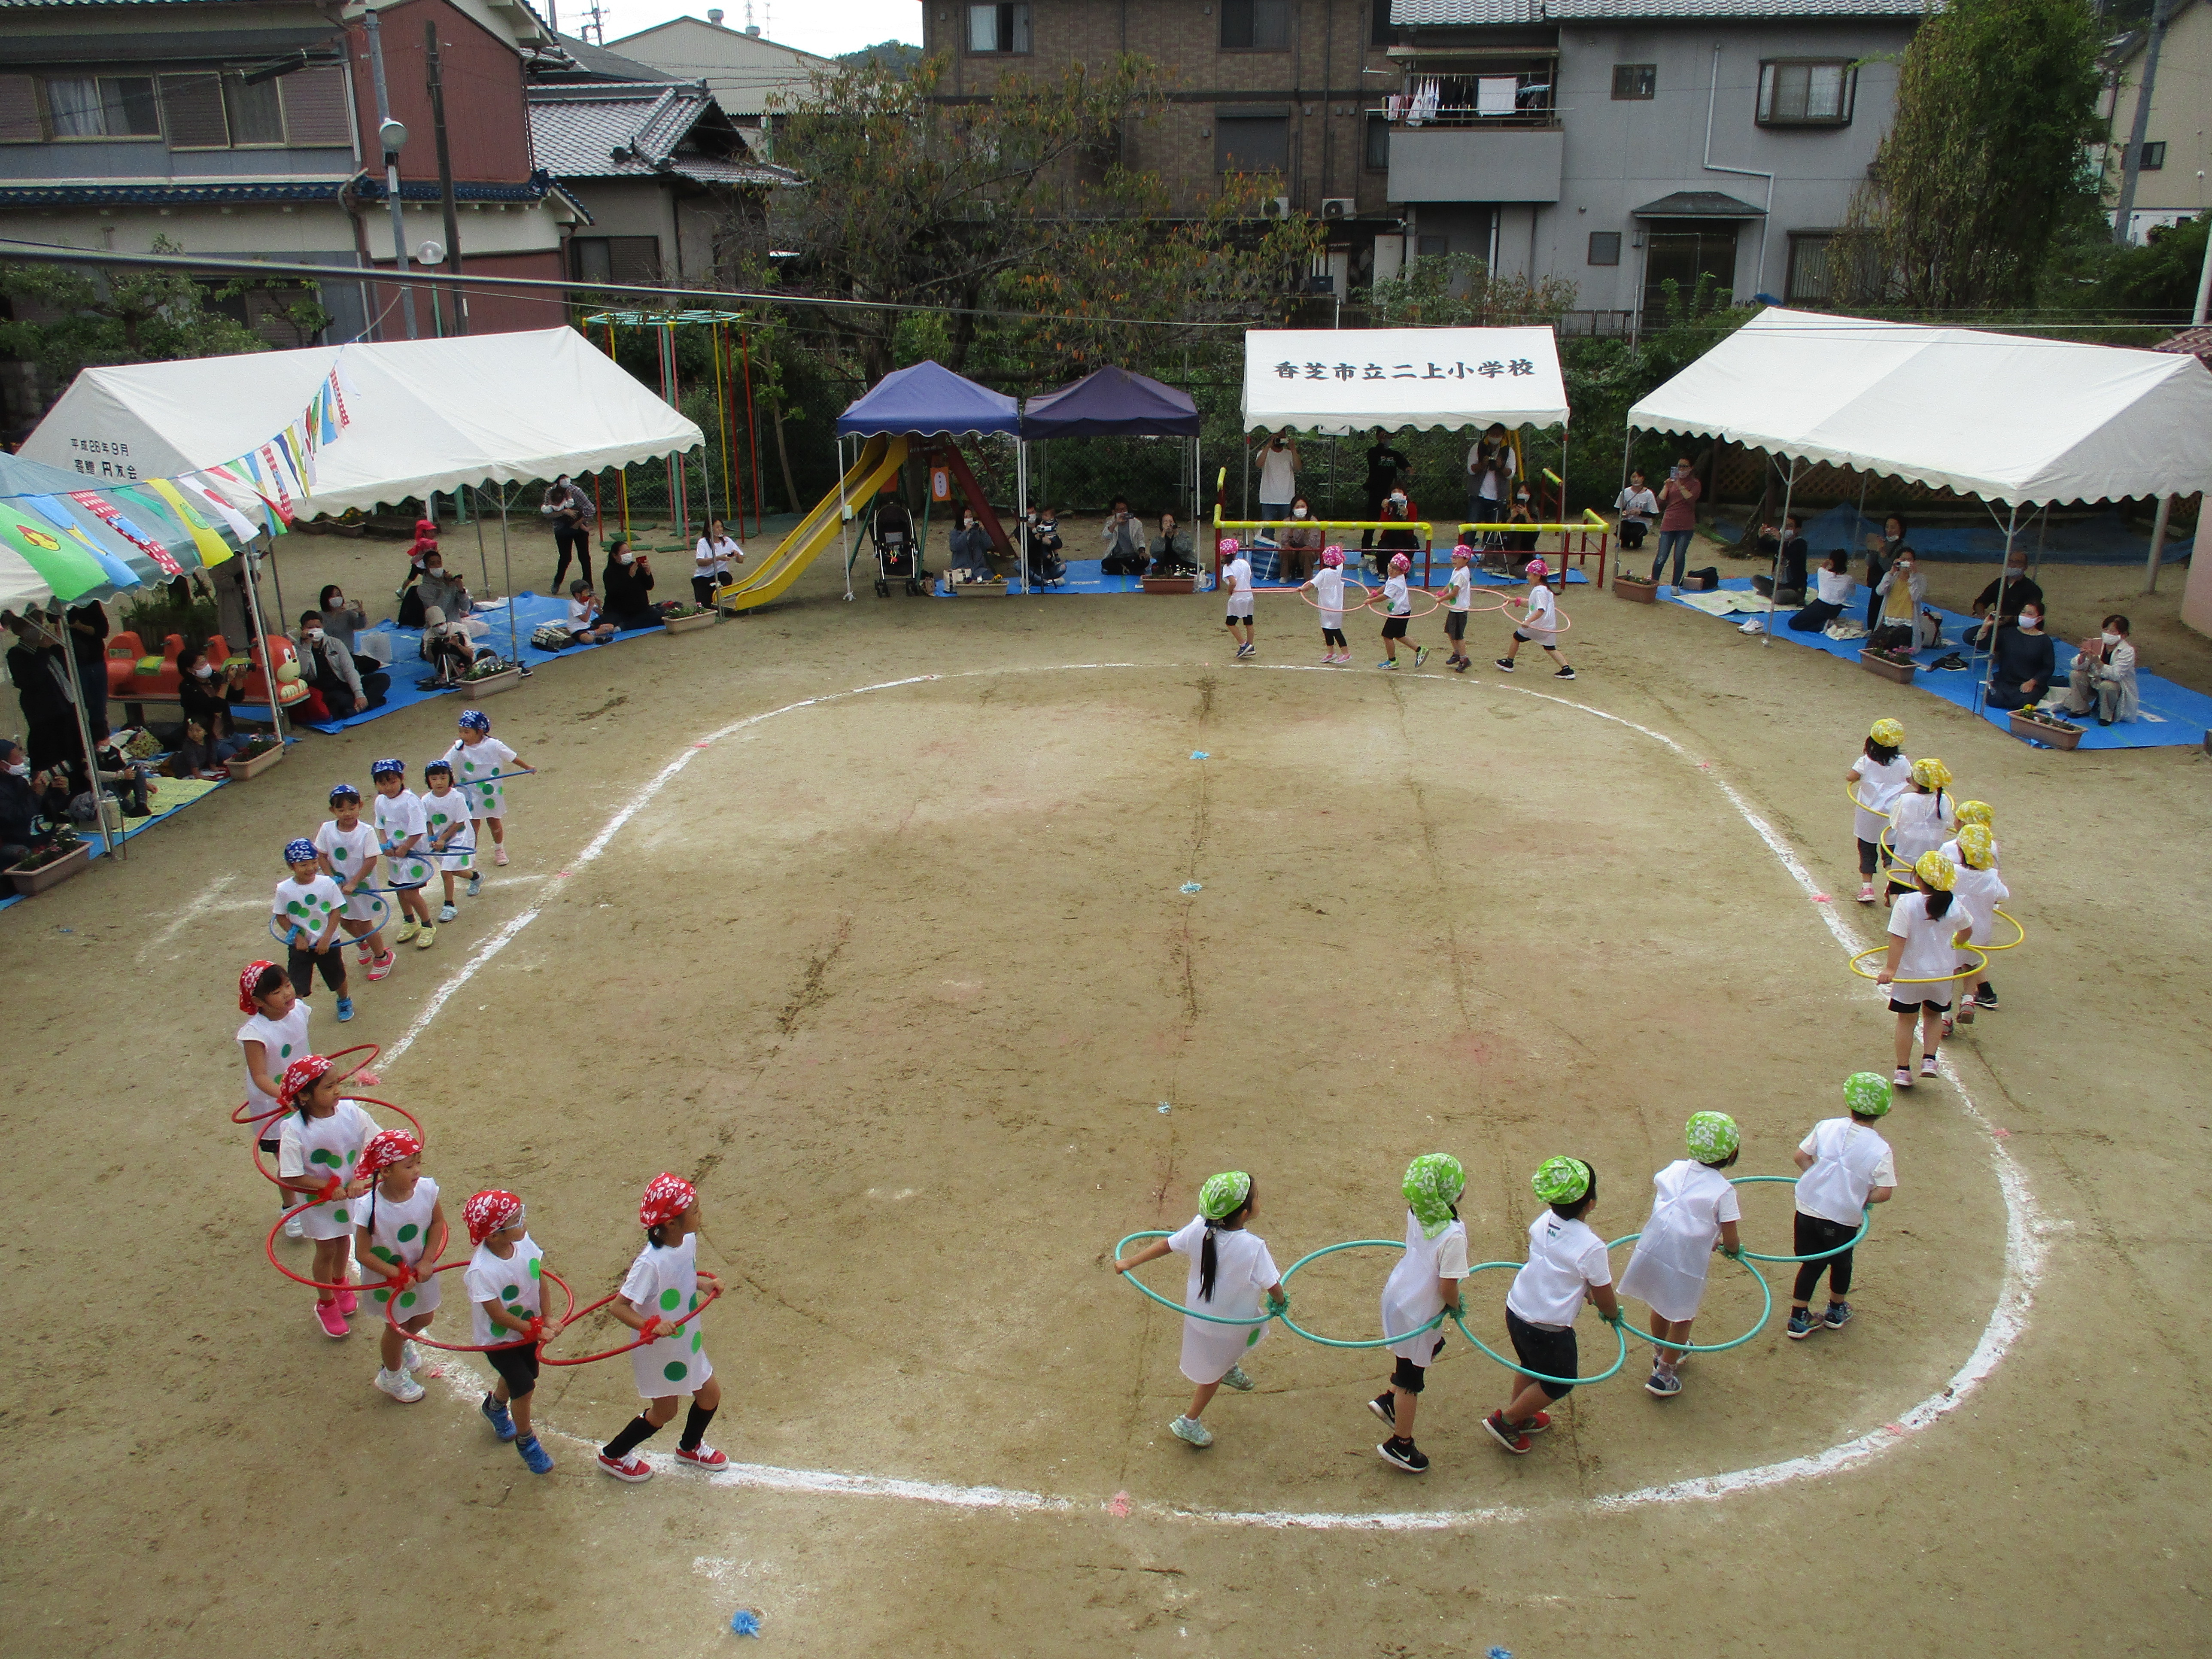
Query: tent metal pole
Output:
(261,631)
(74,685)
(1022,513)
(2042,524)
(483,557)
(1989,672)
(1627,454)
(507,574)
(1781,547)
(844,525)
(276,577)
(2157,543)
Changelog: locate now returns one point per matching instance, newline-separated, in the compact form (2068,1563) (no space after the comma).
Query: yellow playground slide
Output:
(880,458)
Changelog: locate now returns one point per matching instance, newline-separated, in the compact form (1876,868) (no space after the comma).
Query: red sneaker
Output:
(348,1304)
(382,966)
(1538,1424)
(632,1468)
(332,1321)
(702,1456)
(1506,1435)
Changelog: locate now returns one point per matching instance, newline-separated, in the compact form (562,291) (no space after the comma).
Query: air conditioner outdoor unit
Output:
(1336,207)
(1275,207)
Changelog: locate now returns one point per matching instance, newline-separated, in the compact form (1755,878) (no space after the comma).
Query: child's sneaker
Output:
(540,1460)
(1565,674)
(1966,1006)
(1801,1324)
(1902,1078)
(632,1468)
(345,1009)
(1388,662)
(293,1229)
(1505,664)
(364,956)
(1866,892)
(1928,1068)
(408,929)
(446,911)
(1462,664)
(1838,1316)
(428,937)
(332,1321)
(1191,1431)
(499,856)
(348,1304)
(702,1456)
(1514,1440)
(1238,1380)
(1400,1453)
(382,967)
(1421,655)
(1385,1406)
(476,882)
(411,1357)
(1986,997)
(1538,1424)
(1946,1025)
(1663,1384)
(400,1385)
(501,1421)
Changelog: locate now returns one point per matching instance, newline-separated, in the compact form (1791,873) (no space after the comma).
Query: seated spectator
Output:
(628,577)
(1523,511)
(1791,542)
(1127,553)
(1299,546)
(712,561)
(1833,593)
(441,589)
(1398,537)
(340,620)
(409,594)
(2026,661)
(446,646)
(24,802)
(2001,600)
(585,627)
(2103,678)
(1041,535)
(1905,622)
(1170,549)
(971,547)
(195,755)
(1636,506)
(333,674)
(123,778)
(206,692)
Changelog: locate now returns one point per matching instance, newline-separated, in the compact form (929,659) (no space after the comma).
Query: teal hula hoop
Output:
(1188,1313)
(1330,1341)
(1765,1313)
(1619,1358)
(1866,1222)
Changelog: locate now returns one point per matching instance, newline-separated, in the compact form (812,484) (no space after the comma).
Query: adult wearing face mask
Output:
(1127,553)
(1881,553)
(440,588)
(970,547)
(2025,659)
(1279,477)
(205,693)
(340,620)
(2103,678)
(1170,549)
(629,584)
(331,671)
(1490,468)
(1299,545)
(1678,518)
(2002,599)
(1905,622)
(40,673)
(1400,538)
(24,798)
(571,512)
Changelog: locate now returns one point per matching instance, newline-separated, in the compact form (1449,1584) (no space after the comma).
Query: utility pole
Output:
(391,136)
(2131,157)
(437,88)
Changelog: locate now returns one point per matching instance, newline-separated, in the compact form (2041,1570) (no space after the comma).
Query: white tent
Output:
(1998,416)
(1338,381)
(425,415)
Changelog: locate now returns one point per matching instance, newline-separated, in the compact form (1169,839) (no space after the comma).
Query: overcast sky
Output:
(827,27)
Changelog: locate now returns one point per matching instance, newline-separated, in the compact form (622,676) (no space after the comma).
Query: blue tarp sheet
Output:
(2103,539)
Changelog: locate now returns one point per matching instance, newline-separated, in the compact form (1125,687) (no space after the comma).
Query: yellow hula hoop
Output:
(1851,796)
(1940,979)
(2021,932)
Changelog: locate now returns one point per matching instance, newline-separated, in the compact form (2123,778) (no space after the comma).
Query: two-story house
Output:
(1613,143)
(2170,184)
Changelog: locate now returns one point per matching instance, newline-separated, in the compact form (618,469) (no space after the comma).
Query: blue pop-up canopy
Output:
(1111,403)
(926,398)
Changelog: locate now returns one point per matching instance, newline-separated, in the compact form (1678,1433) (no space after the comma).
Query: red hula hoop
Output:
(1565,621)
(544,1359)
(1435,604)
(241,1115)
(254,1146)
(566,1313)
(1314,599)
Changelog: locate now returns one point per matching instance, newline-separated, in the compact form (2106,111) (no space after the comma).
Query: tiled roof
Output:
(1700,204)
(2190,342)
(635,130)
(60,193)
(1467,13)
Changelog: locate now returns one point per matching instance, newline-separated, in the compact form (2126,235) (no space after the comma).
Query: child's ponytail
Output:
(1224,1201)
(1939,904)
(1208,1262)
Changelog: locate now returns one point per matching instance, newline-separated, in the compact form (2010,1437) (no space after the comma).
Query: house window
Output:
(1688,255)
(315,107)
(255,113)
(1381,32)
(620,259)
(2153,157)
(1255,25)
(1635,80)
(1378,144)
(1805,92)
(1807,282)
(1251,143)
(999,28)
(101,106)
(1605,247)
(1432,247)
(193,110)
(19,111)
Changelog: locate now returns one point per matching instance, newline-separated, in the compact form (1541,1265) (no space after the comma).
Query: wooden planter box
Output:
(492,684)
(689,624)
(1170,583)
(2058,737)
(252,765)
(1634,587)
(1900,673)
(70,863)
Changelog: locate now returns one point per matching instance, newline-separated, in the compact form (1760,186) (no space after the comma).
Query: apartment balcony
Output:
(1520,162)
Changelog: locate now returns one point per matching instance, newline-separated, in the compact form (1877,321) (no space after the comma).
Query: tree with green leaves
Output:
(1459,290)
(1996,101)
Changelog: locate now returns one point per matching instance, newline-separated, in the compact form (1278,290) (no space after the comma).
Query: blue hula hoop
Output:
(1333,1342)
(1865,1223)
(1189,1313)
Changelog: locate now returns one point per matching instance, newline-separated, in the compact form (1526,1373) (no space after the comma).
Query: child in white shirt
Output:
(274,1036)
(1237,581)
(446,829)
(1971,812)
(1229,1272)
(1845,1166)
(1694,1210)
(348,849)
(308,907)
(401,1226)
(1422,1291)
(1458,596)
(1919,820)
(481,761)
(318,1143)
(1566,1267)
(1398,605)
(711,561)
(1925,934)
(1978,891)
(401,830)
(661,1293)
(1327,584)
(584,625)
(505,1282)
(1542,624)
(1881,769)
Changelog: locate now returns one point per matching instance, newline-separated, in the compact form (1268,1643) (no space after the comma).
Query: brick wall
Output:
(1318,78)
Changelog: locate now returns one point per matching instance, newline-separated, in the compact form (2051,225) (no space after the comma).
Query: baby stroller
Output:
(892,530)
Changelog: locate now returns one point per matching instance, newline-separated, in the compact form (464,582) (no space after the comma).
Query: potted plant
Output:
(1896,665)
(684,618)
(1171,584)
(50,862)
(1642,590)
(489,675)
(260,753)
(2046,727)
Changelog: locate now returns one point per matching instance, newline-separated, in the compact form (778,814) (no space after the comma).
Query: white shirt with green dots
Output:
(512,1281)
(664,1281)
(397,1232)
(316,1148)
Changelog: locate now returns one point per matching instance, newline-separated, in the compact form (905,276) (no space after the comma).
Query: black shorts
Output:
(1411,1377)
(1554,1353)
(1455,624)
(1917,1004)
(517,1368)
(272,1147)
(1531,639)
(1394,628)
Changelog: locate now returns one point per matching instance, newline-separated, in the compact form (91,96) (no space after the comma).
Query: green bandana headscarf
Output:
(1222,1193)
(1867,1093)
(1433,1183)
(1712,1136)
(1561,1181)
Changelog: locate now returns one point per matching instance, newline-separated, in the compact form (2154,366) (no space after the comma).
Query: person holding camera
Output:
(1678,518)
(205,693)
(1127,553)
(1279,476)
(1041,539)
(1170,549)
(1636,506)
(1790,542)
(628,578)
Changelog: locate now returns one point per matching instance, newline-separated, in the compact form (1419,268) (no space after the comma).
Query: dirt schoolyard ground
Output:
(872,920)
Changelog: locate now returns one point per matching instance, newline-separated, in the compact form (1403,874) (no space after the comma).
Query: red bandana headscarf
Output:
(666,1197)
(299,1076)
(489,1212)
(387,1148)
(246,980)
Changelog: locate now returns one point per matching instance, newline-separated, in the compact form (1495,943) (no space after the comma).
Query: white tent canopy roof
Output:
(427,415)
(1997,416)
(1344,380)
